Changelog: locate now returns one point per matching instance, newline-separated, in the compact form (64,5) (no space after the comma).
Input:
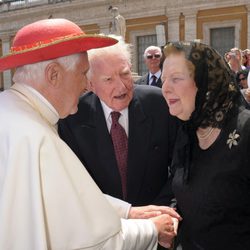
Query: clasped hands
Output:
(165,218)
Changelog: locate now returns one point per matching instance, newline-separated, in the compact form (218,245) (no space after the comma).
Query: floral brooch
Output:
(232,139)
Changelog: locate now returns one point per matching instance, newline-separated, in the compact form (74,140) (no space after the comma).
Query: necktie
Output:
(153,83)
(120,143)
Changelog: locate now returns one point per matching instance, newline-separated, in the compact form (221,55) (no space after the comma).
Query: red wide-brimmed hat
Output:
(49,39)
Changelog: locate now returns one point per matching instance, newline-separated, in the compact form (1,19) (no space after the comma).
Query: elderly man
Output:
(134,165)
(152,58)
(47,198)
(144,117)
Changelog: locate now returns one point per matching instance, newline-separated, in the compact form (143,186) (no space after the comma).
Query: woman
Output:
(241,79)
(246,54)
(211,164)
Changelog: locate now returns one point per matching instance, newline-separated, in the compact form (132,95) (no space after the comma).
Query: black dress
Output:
(215,202)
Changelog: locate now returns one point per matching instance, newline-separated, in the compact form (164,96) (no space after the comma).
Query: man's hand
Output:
(166,229)
(150,211)
(165,218)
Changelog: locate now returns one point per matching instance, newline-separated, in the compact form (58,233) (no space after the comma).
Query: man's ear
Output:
(54,74)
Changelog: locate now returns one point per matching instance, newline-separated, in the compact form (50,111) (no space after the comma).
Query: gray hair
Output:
(32,72)
(120,48)
(152,48)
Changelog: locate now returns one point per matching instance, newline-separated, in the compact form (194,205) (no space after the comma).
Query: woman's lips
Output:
(172,101)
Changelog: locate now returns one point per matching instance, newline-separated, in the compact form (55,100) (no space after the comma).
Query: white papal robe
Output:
(47,198)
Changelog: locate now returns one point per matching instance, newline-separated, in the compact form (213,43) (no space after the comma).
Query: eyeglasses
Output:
(244,78)
(155,56)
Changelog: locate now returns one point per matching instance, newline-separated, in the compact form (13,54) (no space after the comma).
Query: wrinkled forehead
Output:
(109,63)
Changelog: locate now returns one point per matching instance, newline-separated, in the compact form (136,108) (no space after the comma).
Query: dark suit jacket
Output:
(144,80)
(150,144)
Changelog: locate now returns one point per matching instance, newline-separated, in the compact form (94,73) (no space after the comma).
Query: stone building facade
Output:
(222,24)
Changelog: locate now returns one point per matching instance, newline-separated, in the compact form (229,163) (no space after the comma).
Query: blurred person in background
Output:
(234,59)
(152,58)
(241,78)
(246,54)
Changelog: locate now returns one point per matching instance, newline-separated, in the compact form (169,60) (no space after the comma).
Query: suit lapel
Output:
(159,83)
(147,79)
(94,127)
(139,134)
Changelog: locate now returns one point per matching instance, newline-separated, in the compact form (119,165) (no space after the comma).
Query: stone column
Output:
(173,27)
(248,25)
(190,25)
(182,27)
(7,73)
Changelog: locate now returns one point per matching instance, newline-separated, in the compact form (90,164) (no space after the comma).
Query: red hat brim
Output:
(54,49)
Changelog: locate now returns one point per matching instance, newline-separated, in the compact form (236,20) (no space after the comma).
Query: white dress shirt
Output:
(123,120)
(157,74)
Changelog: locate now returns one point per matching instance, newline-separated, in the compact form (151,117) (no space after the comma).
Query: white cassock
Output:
(47,198)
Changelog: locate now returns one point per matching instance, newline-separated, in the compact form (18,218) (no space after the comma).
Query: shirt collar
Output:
(157,74)
(107,111)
